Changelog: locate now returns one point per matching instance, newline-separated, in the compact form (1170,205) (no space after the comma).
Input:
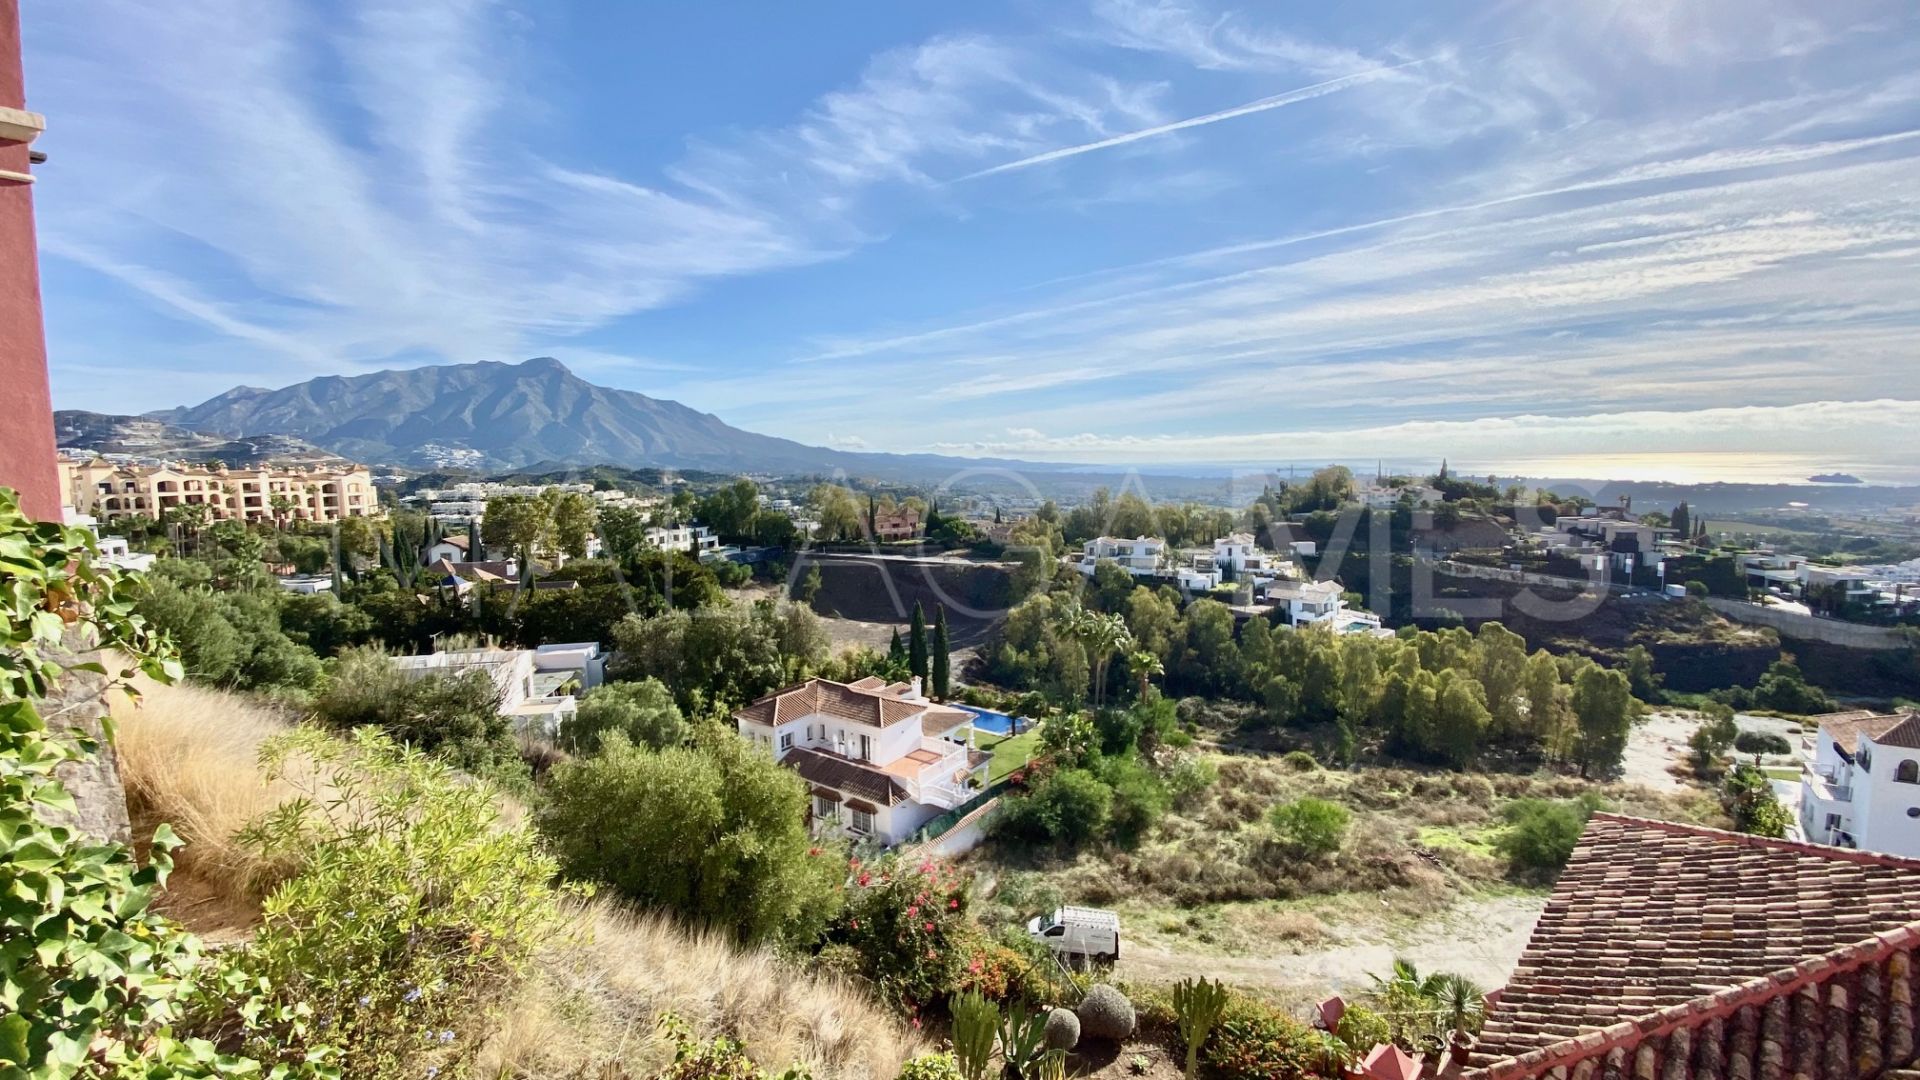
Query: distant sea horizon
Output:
(1685,468)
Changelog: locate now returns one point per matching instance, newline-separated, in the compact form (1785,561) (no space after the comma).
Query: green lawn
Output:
(1008,753)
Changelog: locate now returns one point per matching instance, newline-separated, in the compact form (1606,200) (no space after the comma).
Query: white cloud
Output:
(364,186)
(1841,432)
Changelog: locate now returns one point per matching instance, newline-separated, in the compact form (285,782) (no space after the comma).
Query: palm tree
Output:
(1102,636)
(1144,666)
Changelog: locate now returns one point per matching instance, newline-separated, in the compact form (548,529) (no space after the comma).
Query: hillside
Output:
(494,415)
(105,433)
(589,1005)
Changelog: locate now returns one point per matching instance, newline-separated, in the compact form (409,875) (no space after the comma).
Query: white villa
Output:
(1322,603)
(537,686)
(882,760)
(1861,785)
(1237,557)
(697,539)
(1386,496)
(1140,556)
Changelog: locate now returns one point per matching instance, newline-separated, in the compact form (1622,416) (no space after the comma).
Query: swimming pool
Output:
(988,721)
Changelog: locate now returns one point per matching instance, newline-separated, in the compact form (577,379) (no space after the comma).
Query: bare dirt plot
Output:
(1656,747)
(1479,938)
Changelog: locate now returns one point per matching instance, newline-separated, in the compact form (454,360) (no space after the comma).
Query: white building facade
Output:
(880,759)
(1860,787)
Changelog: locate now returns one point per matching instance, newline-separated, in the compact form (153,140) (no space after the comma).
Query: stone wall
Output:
(77,704)
(1809,627)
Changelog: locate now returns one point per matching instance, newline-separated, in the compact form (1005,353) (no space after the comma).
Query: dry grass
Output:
(1219,849)
(189,757)
(591,1009)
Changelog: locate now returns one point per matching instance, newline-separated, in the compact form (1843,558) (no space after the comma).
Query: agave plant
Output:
(1461,1002)
(1023,1039)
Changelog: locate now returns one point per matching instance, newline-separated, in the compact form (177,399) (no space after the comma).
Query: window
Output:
(866,747)
(1833,822)
(826,809)
(862,821)
(786,740)
(1907,772)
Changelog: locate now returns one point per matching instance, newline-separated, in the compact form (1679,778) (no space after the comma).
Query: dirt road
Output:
(1481,939)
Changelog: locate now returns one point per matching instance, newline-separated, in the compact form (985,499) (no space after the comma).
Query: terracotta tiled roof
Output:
(844,774)
(1846,728)
(940,719)
(1669,950)
(1905,732)
(845,701)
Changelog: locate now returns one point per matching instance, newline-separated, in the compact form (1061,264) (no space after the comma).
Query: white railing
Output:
(1822,787)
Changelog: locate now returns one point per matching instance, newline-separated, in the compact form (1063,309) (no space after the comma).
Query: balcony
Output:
(934,774)
(1821,785)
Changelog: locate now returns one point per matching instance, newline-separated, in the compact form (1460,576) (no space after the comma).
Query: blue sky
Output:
(1116,230)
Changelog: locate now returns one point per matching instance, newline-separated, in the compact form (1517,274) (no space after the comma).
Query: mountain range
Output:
(498,416)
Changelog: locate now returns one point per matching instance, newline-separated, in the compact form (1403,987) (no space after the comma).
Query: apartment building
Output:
(881,759)
(269,493)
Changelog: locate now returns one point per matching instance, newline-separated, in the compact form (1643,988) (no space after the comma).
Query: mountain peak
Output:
(513,414)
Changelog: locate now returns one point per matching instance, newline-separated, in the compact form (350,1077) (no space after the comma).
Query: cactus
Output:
(975,1022)
(1197,1005)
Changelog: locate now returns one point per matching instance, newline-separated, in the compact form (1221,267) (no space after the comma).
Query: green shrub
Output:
(454,716)
(1299,761)
(1541,833)
(95,981)
(719,1058)
(1062,1029)
(1139,799)
(909,925)
(1361,1029)
(1749,801)
(1189,775)
(1311,828)
(1105,1013)
(1069,808)
(1256,1043)
(642,711)
(413,909)
(939,1065)
(714,834)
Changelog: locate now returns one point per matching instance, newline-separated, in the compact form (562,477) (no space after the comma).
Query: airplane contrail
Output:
(1291,97)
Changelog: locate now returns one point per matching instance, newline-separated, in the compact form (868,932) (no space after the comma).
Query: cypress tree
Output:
(942,662)
(897,651)
(917,643)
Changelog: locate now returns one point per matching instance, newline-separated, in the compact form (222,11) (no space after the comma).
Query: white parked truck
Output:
(1092,933)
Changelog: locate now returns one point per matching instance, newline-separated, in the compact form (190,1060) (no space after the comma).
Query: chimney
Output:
(914,693)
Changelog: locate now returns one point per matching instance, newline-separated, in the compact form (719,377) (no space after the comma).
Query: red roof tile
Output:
(822,697)
(1656,927)
(1904,733)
